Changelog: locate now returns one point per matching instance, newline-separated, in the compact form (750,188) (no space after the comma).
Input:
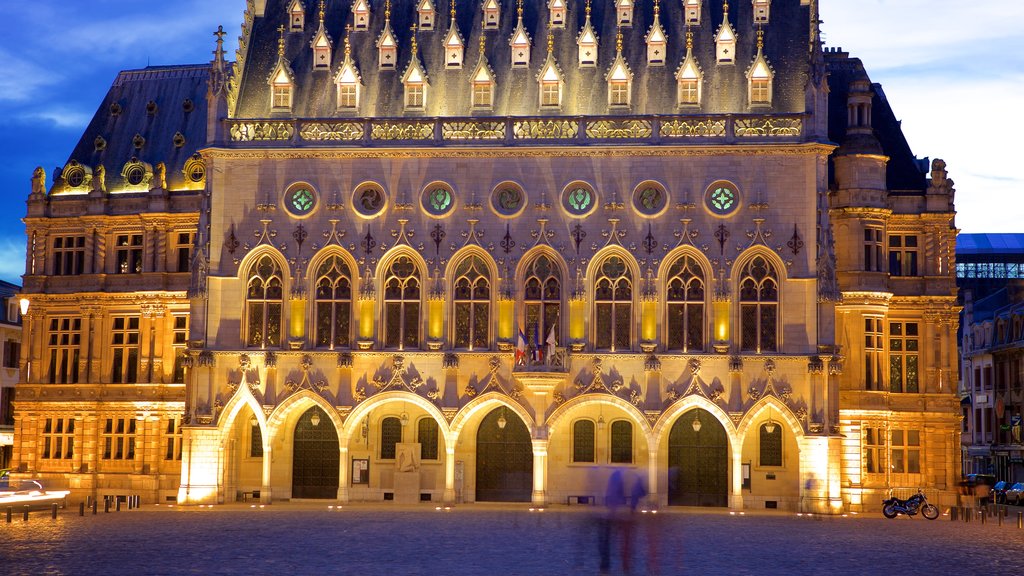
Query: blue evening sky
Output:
(952,71)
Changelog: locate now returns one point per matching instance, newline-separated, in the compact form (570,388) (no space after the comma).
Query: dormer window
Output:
(387,49)
(587,43)
(657,42)
(556,13)
(761,8)
(689,78)
(361,15)
(624,11)
(415,82)
(725,41)
(454,50)
(427,14)
(492,14)
(321,50)
(691,12)
(483,90)
(349,87)
(760,85)
(281,92)
(618,93)
(415,95)
(520,46)
(550,80)
(296,16)
(620,79)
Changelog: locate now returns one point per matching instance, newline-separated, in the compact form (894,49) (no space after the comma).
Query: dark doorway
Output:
(315,457)
(504,458)
(698,461)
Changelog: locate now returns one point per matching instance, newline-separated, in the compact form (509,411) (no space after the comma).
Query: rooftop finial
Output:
(519,8)
(453,12)
(280,42)
(551,41)
(657,8)
(588,8)
(387,10)
(219,53)
(413,28)
(725,6)
(618,39)
(348,44)
(689,39)
(483,38)
(321,12)
(760,38)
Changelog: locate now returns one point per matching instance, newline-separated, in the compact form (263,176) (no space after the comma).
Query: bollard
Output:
(982,511)
(117,501)
(106,505)
(94,507)
(81,508)
(952,514)
(25,514)
(10,512)
(131,502)
(53,511)
(1020,520)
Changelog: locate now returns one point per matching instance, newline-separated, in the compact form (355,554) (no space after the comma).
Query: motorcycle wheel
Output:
(930,511)
(889,511)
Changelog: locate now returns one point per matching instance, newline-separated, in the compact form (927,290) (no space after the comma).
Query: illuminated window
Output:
(483,95)
(520,47)
(387,49)
(119,439)
(556,13)
(613,305)
(621,442)
(904,350)
(472,301)
(587,46)
(427,15)
(264,301)
(65,338)
(550,94)
(906,451)
(180,346)
(873,249)
(333,304)
(361,15)
(426,435)
(454,49)
(542,296)
(321,50)
(692,12)
(390,437)
(874,353)
(657,43)
(172,439)
(583,441)
(722,198)
(128,252)
(300,200)
(725,42)
(255,440)
(58,439)
(761,10)
(903,254)
(438,199)
(874,450)
(282,96)
(492,14)
(68,255)
(689,92)
(624,12)
(760,91)
(296,16)
(402,301)
(183,245)
(618,93)
(770,444)
(685,296)
(759,307)
(124,344)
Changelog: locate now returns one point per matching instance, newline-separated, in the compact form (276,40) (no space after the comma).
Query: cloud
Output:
(22,80)
(12,258)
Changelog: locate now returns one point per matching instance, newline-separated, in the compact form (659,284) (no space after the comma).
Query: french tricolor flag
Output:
(521,348)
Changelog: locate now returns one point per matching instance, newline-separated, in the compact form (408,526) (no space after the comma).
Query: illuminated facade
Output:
(491,258)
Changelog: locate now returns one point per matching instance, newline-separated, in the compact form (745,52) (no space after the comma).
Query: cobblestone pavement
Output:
(298,539)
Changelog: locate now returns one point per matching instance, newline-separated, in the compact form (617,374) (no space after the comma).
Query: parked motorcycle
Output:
(893,507)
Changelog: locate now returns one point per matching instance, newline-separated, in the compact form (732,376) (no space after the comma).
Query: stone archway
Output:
(315,456)
(698,461)
(504,458)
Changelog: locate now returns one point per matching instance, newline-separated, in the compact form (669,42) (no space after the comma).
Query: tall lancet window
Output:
(689,78)
(542,296)
(550,79)
(657,41)
(321,45)
(624,13)
(587,42)
(691,12)
(620,78)
(427,14)
(492,14)
(402,288)
(759,307)
(264,297)
(725,40)
(454,47)
(761,10)
(296,16)
(361,15)
(520,42)
(556,13)
(684,295)
(334,304)
(472,297)
(760,76)
(387,44)
(349,83)
(613,305)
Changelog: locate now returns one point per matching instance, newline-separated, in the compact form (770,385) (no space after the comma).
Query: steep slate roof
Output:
(904,173)
(654,87)
(167,86)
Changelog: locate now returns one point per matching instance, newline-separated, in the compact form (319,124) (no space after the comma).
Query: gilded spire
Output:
(321,13)
(483,39)
(348,44)
(760,38)
(618,40)
(414,28)
(689,39)
(657,8)
(588,9)
(387,10)
(551,41)
(453,12)
(280,42)
(519,9)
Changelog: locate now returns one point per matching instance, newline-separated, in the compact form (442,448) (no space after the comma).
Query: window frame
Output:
(614,451)
(578,442)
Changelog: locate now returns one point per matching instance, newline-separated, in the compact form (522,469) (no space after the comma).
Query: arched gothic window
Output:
(583,448)
(771,444)
(613,305)
(759,307)
(334,304)
(472,303)
(264,300)
(542,297)
(402,304)
(622,442)
(390,436)
(685,301)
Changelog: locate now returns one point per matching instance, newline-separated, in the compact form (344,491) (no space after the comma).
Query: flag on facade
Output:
(521,348)
(538,350)
(552,342)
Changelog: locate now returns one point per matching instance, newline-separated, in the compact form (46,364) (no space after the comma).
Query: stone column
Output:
(540,471)
(652,471)
(736,494)
(449,471)
(343,468)
(266,490)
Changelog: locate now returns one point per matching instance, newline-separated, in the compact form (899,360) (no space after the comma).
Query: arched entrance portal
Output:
(504,458)
(315,456)
(698,461)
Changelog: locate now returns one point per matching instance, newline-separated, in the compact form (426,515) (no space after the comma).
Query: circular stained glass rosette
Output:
(722,200)
(508,200)
(369,201)
(579,200)
(300,201)
(650,200)
(439,201)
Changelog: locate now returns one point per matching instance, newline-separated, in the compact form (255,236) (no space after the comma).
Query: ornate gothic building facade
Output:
(489,251)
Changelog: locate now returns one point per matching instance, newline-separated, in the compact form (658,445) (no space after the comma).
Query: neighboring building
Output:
(990,272)
(490,259)
(10,336)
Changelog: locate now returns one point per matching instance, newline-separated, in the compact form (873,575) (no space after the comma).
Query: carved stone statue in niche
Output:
(407,457)
(161,175)
(99,179)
